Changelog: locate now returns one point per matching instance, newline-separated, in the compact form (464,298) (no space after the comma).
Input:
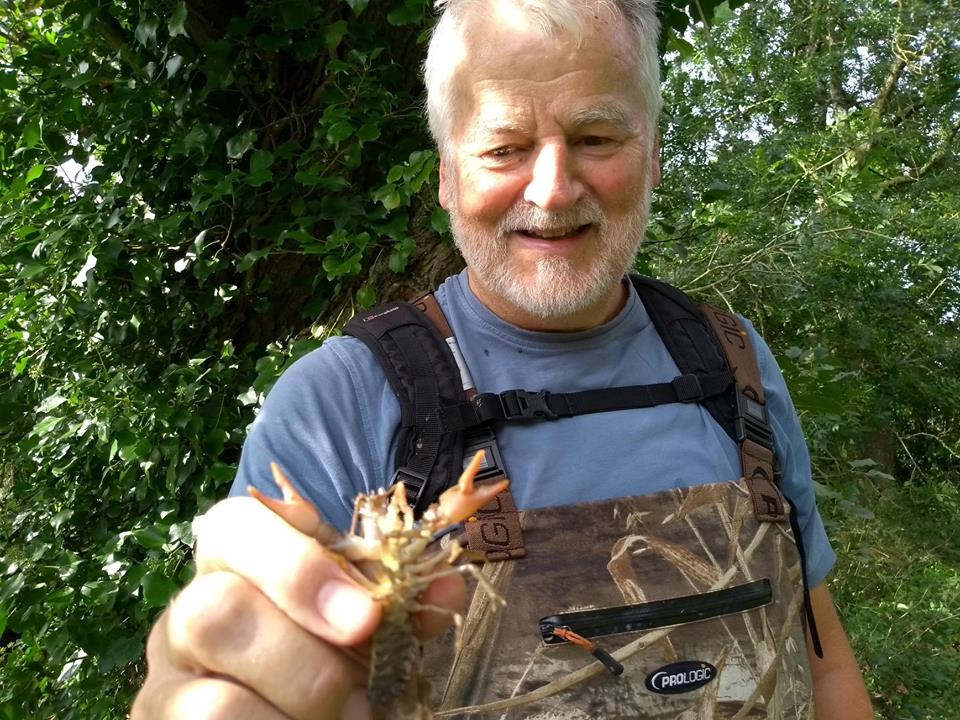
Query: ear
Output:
(655,161)
(442,188)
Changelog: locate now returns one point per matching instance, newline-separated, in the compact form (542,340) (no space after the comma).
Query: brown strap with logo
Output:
(756,460)
(494,531)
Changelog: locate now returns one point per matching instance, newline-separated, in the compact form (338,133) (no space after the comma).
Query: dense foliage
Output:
(194,193)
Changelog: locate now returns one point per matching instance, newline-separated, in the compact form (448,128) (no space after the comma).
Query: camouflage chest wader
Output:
(690,599)
(698,600)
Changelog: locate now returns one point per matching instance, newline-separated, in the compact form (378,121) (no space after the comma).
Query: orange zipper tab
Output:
(608,661)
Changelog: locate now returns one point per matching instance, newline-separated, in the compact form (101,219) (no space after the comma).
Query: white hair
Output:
(551,18)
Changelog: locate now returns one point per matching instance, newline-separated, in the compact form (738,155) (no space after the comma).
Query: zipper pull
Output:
(609,662)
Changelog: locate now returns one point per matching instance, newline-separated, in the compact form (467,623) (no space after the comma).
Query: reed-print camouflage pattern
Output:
(701,544)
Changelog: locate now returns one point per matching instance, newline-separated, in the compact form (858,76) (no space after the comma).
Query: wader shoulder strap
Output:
(424,376)
(752,423)
(701,338)
(414,345)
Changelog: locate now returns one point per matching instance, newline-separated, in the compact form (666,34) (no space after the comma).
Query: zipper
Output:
(656,614)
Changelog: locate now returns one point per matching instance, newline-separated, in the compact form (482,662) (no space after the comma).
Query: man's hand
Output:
(270,628)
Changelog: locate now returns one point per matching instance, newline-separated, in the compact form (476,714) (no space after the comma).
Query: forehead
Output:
(511,76)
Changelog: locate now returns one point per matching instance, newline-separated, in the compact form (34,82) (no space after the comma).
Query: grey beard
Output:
(558,288)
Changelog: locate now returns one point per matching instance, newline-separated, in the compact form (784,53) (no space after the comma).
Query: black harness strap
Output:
(522,405)
(424,377)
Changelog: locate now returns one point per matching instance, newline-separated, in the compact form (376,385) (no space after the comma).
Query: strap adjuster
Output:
(688,388)
(524,405)
(752,421)
(414,484)
(482,439)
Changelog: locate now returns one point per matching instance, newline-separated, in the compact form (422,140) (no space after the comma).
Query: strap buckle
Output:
(752,422)
(483,440)
(414,484)
(524,405)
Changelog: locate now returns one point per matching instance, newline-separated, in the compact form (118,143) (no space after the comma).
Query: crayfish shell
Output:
(395,688)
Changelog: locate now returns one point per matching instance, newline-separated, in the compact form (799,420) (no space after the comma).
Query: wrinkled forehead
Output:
(508,62)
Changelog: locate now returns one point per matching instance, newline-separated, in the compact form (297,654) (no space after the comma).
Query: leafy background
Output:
(193,194)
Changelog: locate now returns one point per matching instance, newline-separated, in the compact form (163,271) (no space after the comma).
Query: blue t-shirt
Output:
(331,421)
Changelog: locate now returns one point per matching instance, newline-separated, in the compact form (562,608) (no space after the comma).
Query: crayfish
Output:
(385,552)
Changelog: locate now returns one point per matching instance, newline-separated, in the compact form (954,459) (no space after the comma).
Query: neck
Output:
(600,312)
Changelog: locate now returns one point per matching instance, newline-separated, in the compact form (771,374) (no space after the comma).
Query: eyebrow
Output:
(606,114)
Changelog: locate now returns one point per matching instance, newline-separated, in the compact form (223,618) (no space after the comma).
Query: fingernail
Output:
(344,606)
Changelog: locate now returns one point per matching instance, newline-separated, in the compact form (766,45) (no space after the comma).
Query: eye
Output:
(595,141)
(501,153)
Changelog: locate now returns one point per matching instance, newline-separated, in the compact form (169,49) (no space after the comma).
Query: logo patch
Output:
(680,677)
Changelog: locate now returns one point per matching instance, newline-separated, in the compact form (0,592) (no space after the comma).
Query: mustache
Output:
(523,216)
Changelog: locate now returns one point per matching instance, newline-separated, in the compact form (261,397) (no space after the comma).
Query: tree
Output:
(192,194)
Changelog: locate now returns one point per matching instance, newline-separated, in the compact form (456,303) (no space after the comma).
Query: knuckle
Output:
(211,700)
(208,612)
(329,687)
(156,641)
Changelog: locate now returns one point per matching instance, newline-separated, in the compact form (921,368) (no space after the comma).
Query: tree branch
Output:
(935,159)
(887,87)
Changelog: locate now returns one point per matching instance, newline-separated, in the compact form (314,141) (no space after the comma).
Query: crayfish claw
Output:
(293,509)
(465,498)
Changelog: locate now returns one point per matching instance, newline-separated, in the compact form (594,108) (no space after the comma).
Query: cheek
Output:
(487,197)
(618,188)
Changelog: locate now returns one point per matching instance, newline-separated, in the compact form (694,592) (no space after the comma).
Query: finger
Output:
(184,697)
(293,570)
(221,624)
(450,593)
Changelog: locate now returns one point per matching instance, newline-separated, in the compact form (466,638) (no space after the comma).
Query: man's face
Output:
(548,170)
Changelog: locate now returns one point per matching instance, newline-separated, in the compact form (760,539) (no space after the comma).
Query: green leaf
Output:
(173,65)
(366,296)
(50,403)
(60,518)
(34,172)
(146,30)
(722,13)
(157,588)
(150,537)
(338,132)
(368,132)
(439,220)
(251,257)
(8,81)
(358,6)
(392,200)
(175,26)
(716,190)
(31,269)
(260,161)
(238,145)
(685,49)
(397,262)
(32,133)
(406,14)
(46,425)
(334,33)
(120,652)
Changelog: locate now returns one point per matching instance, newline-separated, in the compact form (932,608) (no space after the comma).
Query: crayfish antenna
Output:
(465,498)
(293,509)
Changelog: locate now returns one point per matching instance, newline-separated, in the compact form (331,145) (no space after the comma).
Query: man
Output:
(544,113)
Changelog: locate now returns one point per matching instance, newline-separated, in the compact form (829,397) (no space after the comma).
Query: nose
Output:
(553,184)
